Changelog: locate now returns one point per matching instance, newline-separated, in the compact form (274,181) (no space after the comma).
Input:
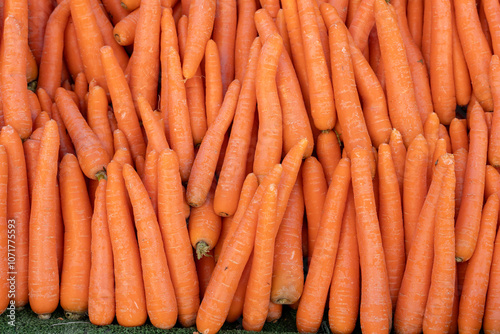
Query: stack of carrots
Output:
(199,161)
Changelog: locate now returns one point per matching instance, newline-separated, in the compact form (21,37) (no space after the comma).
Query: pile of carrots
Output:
(203,161)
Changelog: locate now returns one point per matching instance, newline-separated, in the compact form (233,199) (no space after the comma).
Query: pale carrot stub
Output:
(43,280)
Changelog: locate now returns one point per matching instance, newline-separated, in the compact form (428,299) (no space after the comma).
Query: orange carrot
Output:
(7,236)
(328,149)
(213,81)
(237,304)
(204,267)
(124,30)
(224,35)
(398,152)
(245,35)
(491,318)
(97,116)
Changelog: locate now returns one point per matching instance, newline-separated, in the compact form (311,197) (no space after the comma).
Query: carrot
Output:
(258,290)
(92,156)
(31,149)
(13,79)
(375,308)
(431,134)
(443,134)
(40,120)
(37,21)
(458,134)
(461,156)
(97,116)
(77,216)
(414,289)
(493,147)
(362,23)
(34,105)
(375,57)
(461,75)
(328,150)
(6,228)
(201,23)
(439,308)
(51,62)
(232,261)
(43,283)
(160,297)
(440,149)
(195,91)
(123,106)
(414,186)
(476,51)
(492,181)
(129,287)
(90,40)
(204,267)
(120,141)
(224,35)
(313,299)
(101,306)
(469,215)
(213,81)
(391,221)
(204,165)
(145,68)
(398,152)
(288,280)
(320,87)
(205,226)
(315,190)
(44,99)
(176,238)
(237,304)
(230,224)
(124,30)
(245,35)
(115,11)
(473,298)
(345,292)
(66,145)
(415,20)
(403,109)
(154,129)
(349,113)
(178,114)
(491,318)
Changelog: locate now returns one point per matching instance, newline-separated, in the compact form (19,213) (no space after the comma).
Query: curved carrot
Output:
(77,215)
(43,283)
(123,106)
(473,298)
(124,30)
(439,307)
(97,116)
(130,297)
(313,299)
(469,215)
(204,165)
(176,238)
(101,307)
(92,156)
(201,22)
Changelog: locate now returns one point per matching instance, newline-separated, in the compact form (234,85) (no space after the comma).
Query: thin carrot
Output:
(97,116)
(71,51)
(245,35)
(92,156)
(204,267)
(469,215)
(415,20)
(473,298)
(37,21)
(6,228)
(40,120)
(491,320)
(43,281)
(81,88)
(362,23)
(66,145)
(77,216)
(154,129)
(213,81)
(176,238)
(398,152)
(493,147)
(224,35)
(328,150)
(237,304)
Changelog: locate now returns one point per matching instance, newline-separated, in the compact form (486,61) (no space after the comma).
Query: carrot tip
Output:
(45,316)
(74,315)
(202,249)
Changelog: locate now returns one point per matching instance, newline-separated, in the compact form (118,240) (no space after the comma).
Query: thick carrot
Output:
(414,290)
(176,237)
(391,221)
(288,280)
(320,86)
(440,301)
(43,281)
(403,108)
(97,116)
(204,165)
(345,291)
(315,189)
(245,35)
(51,62)
(414,186)
(476,50)
(37,21)
(129,287)
(77,215)
(13,79)
(90,40)
(124,30)
(491,320)
(313,299)
(231,176)
(375,308)
(469,215)
(145,68)
(205,226)
(224,35)
(178,115)
(92,156)
(201,23)
(6,229)
(101,306)
(258,290)
(328,150)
